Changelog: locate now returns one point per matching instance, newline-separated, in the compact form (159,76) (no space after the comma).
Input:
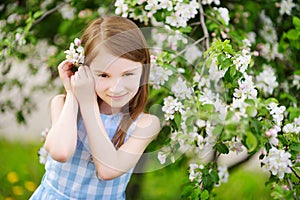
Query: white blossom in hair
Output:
(75,54)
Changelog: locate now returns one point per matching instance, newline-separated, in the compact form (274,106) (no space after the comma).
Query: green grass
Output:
(20,174)
(20,171)
(244,185)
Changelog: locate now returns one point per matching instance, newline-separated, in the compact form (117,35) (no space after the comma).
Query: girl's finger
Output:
(76,75)
(88,71)
(82,71)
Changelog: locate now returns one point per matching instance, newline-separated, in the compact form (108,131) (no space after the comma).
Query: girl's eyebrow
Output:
(130,70)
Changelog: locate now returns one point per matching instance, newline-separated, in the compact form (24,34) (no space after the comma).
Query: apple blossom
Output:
(278,162)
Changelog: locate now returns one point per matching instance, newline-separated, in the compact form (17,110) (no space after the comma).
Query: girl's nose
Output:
(117,86)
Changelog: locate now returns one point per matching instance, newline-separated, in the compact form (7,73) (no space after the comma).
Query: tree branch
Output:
(297,175)
(240,162)
(204,28)
(291,187)
(50,12)
(184,50)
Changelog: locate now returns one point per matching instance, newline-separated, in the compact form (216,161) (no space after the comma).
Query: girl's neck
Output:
(108,110)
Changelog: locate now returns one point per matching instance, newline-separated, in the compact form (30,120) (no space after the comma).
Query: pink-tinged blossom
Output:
(75,54)
(272,135)
(235,145)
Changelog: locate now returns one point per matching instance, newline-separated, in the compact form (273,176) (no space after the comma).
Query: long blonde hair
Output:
(122,38)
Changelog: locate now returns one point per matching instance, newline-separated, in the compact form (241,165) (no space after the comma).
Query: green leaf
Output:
(292,34)
(296,22)
(251,142)
(222,148)
(218,129)
(295,147)
(37,14)
(251,111)
(204,195)
(214,176)
(177,119)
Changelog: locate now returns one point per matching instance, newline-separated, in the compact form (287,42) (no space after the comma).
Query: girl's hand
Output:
(65,73)
(83,85)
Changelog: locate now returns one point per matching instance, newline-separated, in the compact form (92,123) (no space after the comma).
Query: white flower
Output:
(268,31)
(43,154)
(224,14)
(171,106)
(166,4)
(19,38)
(266,80)
(238,103)
(278,162)
(158,75)
(194,172)
(272,135)
(223,175)
(162,157)
(251,37)
(204,2)
(181,90)
(286,6)
(270,52)
(242,60)
(235,145)
(192,53)
(152,5)
(75,54)
(276,112)
(215,73)
(292,127)
(296,81)
(175,20)
(121,8)
(247,42)
(246,88)
(67,12)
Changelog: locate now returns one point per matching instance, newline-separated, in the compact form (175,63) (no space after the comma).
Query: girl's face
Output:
(117,80)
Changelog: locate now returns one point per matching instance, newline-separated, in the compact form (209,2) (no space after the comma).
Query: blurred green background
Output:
(21,172)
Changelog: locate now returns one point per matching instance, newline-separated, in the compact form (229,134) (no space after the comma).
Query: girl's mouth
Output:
(117,97)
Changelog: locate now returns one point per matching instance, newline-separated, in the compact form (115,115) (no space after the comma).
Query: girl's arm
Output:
(62,136)
(110,163)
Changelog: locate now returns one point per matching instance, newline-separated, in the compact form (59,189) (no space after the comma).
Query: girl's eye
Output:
(128,74)
(102,75)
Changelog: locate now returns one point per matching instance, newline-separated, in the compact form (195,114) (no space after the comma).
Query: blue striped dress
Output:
(76,179)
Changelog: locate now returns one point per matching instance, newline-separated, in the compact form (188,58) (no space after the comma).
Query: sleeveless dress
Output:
(76,179)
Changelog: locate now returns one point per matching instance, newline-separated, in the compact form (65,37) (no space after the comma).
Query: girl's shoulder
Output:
(58,100)
(149,122)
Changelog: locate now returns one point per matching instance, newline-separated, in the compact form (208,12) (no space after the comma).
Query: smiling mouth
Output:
(117,97)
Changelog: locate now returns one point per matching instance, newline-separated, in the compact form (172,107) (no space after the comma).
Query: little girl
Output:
(99,130)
